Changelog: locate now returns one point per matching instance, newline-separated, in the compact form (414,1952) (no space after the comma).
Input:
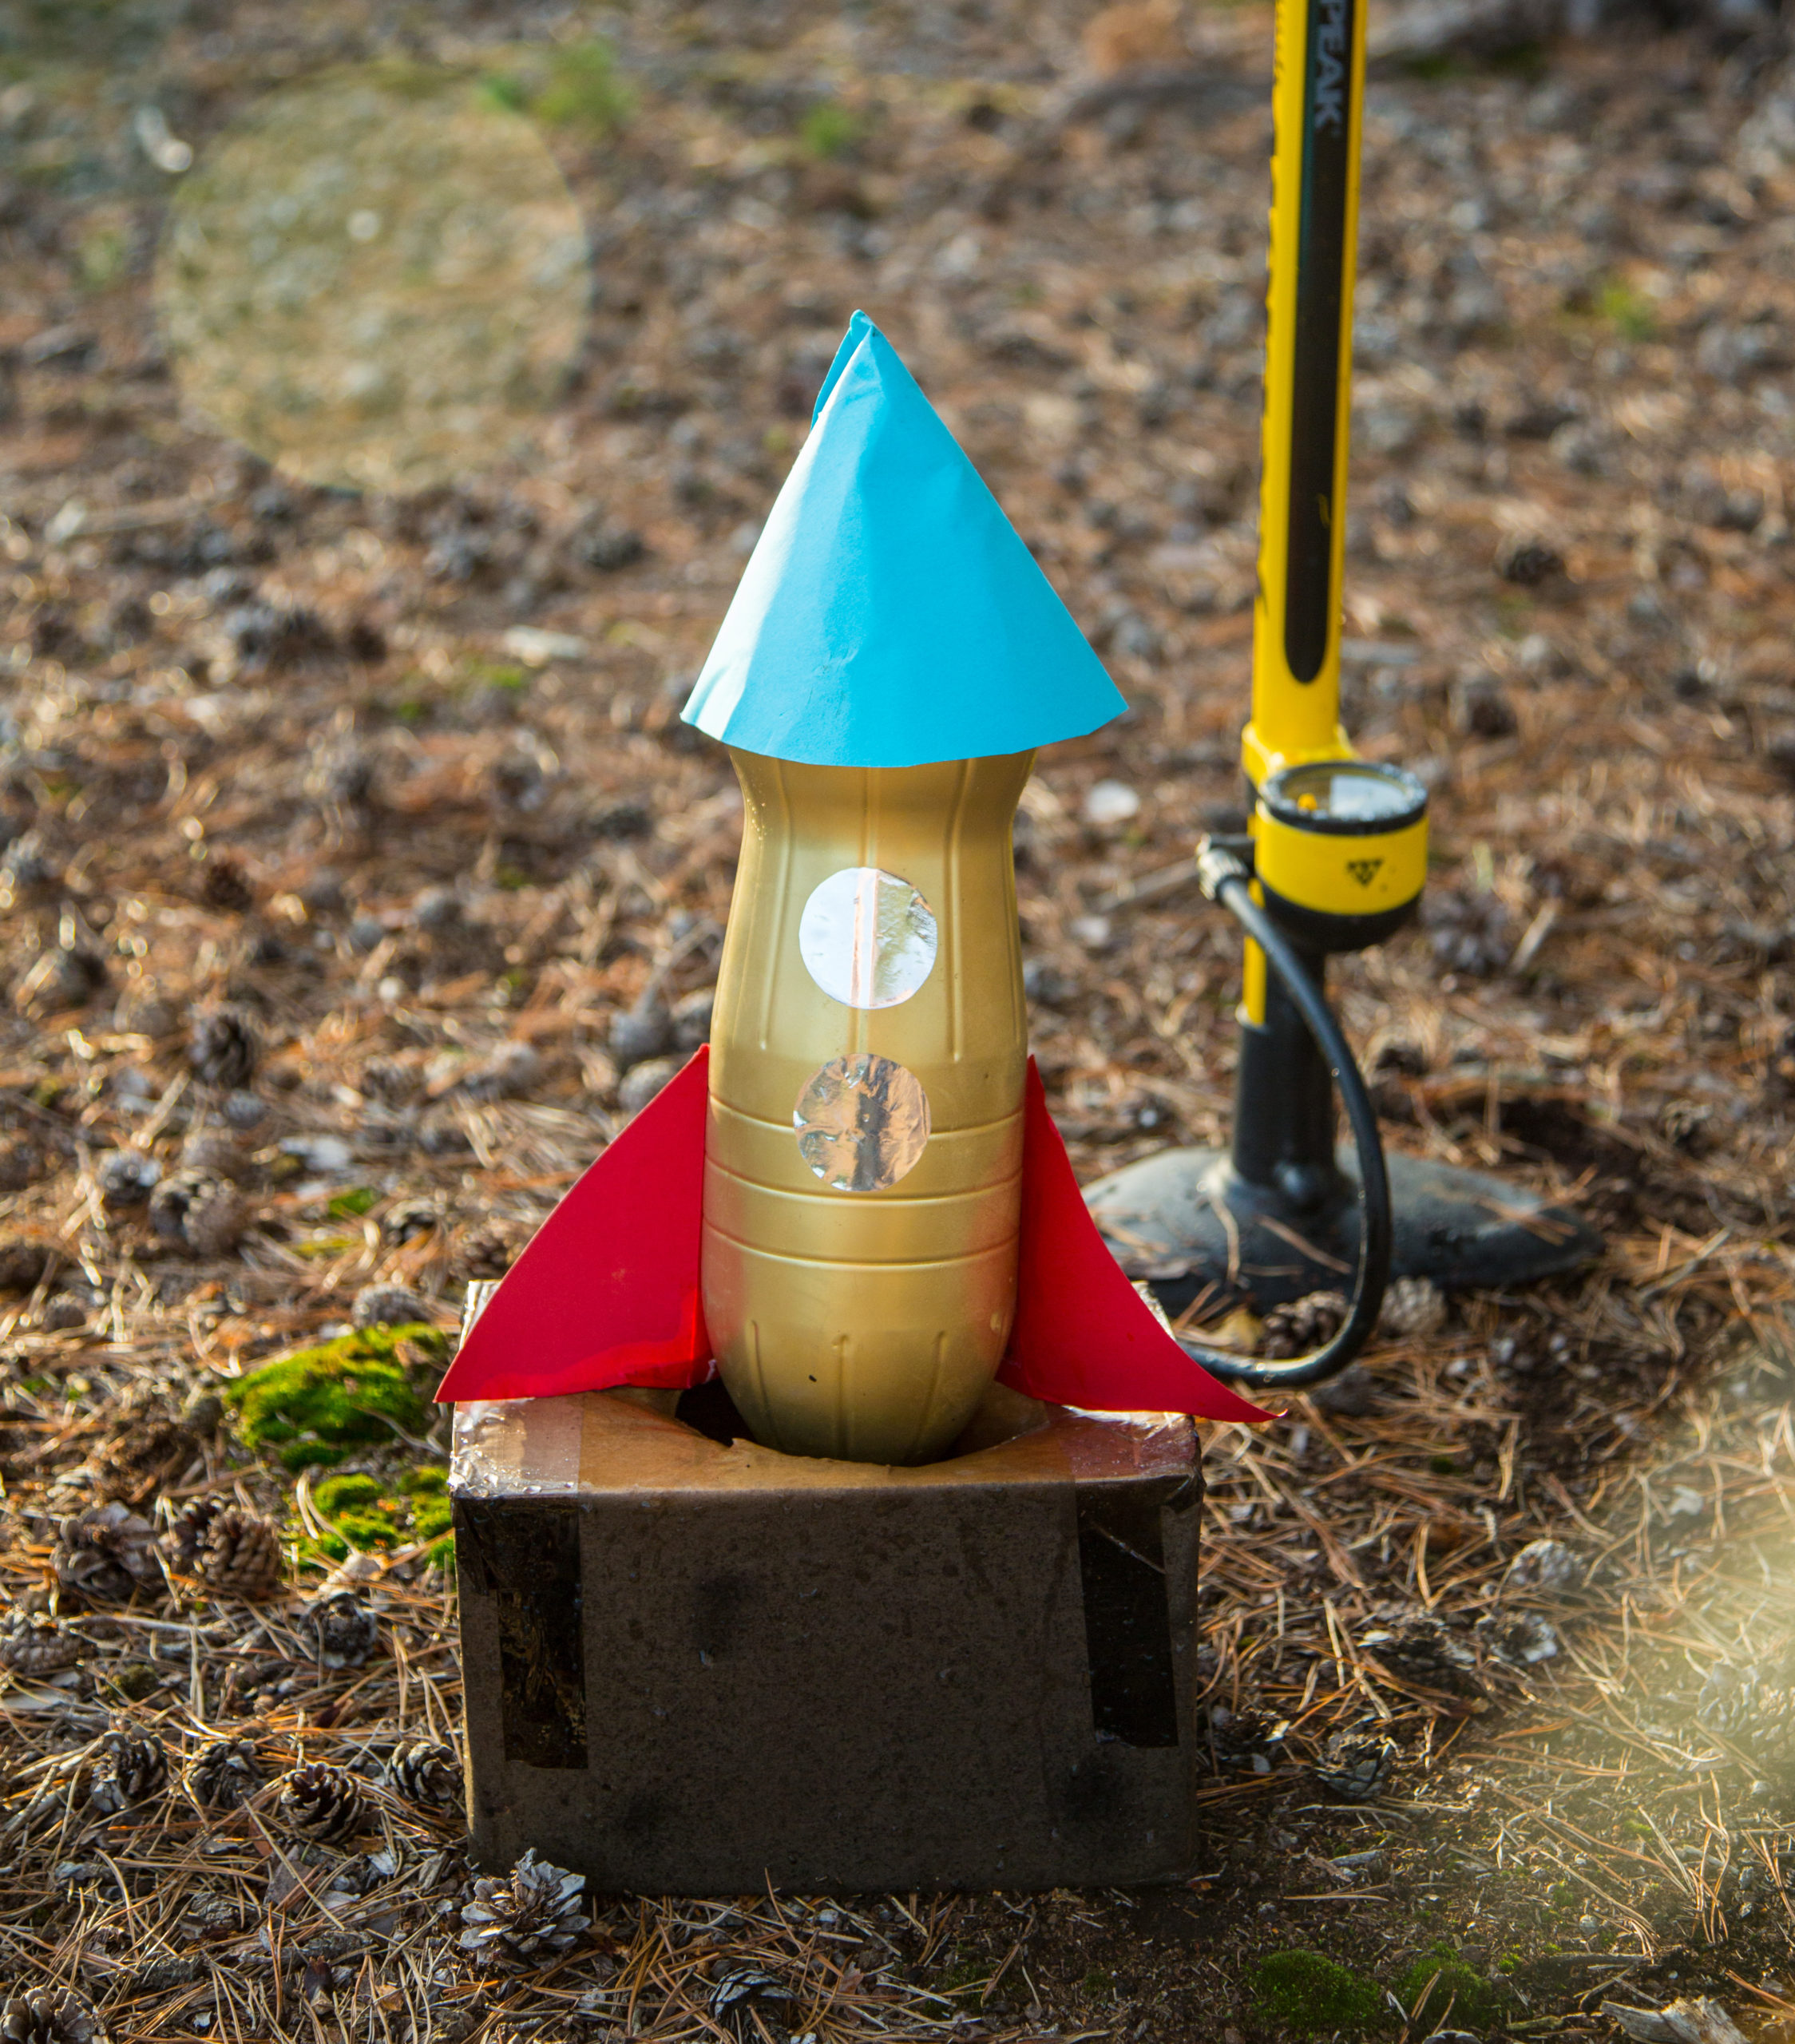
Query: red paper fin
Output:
(1083,1335)
(607,1292)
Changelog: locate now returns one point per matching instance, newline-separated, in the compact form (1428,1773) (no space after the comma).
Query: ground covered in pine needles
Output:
(360,880)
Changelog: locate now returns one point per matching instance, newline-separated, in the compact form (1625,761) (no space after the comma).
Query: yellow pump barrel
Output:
(863,1158)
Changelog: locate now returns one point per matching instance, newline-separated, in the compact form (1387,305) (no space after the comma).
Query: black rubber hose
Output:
(1225,880)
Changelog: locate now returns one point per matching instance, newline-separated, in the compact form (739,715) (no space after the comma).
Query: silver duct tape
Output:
(867,937)
(861,1123)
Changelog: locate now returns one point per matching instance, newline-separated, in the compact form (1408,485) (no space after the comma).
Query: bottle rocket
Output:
(853,1205)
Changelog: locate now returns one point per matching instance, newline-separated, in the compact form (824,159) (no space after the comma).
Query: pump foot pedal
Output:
(1186,1219)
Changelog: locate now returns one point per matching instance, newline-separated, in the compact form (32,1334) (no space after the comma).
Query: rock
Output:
(535,647)
(1108,804)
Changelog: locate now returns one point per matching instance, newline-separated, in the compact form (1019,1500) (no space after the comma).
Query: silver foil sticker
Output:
(861,1123)
(867,937)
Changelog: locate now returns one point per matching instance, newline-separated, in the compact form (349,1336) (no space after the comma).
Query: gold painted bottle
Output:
(863,1158)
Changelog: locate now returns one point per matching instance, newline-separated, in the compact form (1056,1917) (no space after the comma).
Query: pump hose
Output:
(1225,879)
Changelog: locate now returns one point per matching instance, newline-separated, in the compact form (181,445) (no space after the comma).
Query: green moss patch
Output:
(1303,1990)
(373,1515)
(312,1408)
(1440,1988)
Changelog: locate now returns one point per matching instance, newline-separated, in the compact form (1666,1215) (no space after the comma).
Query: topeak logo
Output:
(1329,115)
(1364,871)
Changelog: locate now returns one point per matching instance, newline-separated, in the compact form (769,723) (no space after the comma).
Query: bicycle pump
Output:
(1336,855)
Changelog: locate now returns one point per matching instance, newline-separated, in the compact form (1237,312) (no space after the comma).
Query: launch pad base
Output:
(1186,1220)
(694,1666)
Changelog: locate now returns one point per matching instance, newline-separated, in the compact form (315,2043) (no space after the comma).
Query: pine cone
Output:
(225,1772)
(23,1262)
(212,1915)
(345,1630)
(244,1110)
(35,1647)
(1302,1324)
(21,1162)
(202,1212)
(104,1553)
(224,885)
(49,2015)
(407,1218)
(216,1152)
(1469,932)
(125,1179)
(1413,1308)
(1749,1708)
(1546,1566)
(323,1801)
(484,1252)
(1424,1651)
(1355,1766)
(67,1309)
(228,1549)
(1521,1638)
(224,1046)
(66,977)
(135,1768)
(427,1774)
(389,1305)
(532,1916)
(147,1447)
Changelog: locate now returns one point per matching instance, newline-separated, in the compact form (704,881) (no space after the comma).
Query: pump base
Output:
(1186,1219)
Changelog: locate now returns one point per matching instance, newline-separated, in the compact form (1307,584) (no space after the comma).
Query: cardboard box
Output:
(696,1667)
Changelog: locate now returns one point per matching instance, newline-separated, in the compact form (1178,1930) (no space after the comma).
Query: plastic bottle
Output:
(863,1157)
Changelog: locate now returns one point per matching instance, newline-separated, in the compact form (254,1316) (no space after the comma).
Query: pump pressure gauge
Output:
(1341,849)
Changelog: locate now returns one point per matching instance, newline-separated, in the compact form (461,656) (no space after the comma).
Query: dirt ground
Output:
(358,923)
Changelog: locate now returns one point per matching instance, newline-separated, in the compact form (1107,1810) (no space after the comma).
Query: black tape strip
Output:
(1321,252)
(524,1559)
(1127,1624)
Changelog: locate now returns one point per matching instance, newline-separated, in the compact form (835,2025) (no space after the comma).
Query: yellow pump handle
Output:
(1318,94)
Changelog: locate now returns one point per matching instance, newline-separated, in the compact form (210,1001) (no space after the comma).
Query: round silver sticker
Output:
(867,937)
(862,1122)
